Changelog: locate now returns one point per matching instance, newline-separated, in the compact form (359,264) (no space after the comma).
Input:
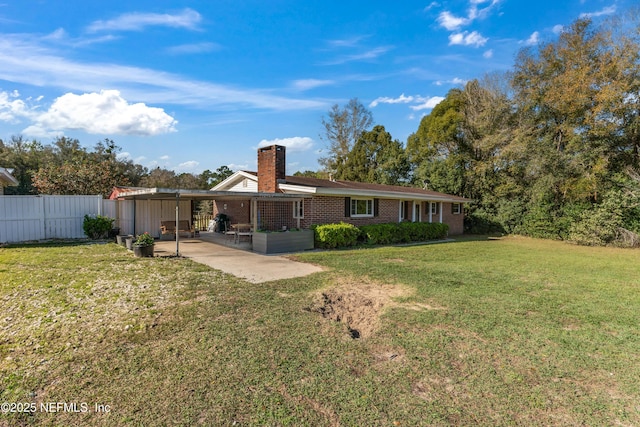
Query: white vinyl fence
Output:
(27,218)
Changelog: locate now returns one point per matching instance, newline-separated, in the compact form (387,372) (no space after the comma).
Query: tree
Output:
(211,179)
(24,157)
(74,170)
(376,158)
(342,128)
(312,174)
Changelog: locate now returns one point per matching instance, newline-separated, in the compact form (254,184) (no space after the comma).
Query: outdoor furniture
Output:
(169,227)
(245,230)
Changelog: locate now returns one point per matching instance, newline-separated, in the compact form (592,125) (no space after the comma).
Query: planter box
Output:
(143,251)
(288,241)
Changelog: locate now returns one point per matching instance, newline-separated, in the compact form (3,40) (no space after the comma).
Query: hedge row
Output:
(345,235)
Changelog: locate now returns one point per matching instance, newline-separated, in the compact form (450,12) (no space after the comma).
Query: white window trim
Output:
(459,210)
(355,215)
(437,208)
(298,209)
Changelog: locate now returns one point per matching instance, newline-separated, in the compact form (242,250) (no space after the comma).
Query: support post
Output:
(177,222)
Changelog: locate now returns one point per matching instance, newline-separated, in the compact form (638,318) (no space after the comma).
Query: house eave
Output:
(173,193)
(349,192)
(7,179)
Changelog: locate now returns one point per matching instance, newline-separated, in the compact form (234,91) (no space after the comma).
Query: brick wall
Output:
(455,221)
(238,210)
(271,168)
(326,210)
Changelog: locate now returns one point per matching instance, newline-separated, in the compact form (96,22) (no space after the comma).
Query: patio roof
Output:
(173,193)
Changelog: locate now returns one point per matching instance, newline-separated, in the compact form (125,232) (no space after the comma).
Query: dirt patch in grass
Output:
(359,303)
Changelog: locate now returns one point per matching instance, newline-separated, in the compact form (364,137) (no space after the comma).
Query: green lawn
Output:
(479,332)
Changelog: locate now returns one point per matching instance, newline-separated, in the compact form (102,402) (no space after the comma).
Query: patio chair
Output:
(243,230)
(230,232)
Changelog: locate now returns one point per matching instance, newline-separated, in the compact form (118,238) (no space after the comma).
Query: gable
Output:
(241,181)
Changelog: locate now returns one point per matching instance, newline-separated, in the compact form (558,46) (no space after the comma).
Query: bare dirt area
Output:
(359,303)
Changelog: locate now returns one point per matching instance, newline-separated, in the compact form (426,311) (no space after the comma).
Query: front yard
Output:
(505,332)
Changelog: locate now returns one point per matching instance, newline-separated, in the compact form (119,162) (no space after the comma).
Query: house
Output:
(6,179)
(307,201)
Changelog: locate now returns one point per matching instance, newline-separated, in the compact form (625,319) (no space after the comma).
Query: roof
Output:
(172,193)
(6,179)
(305,185)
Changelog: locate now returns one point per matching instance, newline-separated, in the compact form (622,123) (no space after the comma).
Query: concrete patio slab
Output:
(250,266)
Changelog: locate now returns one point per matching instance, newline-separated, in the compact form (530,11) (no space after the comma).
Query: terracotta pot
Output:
(143,251)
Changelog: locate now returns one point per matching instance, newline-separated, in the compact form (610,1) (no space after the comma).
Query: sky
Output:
(195,85)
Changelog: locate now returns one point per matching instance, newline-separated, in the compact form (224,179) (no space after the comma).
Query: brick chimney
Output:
(271,168)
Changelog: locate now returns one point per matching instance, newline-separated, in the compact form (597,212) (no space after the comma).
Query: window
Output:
(245,183)
(361,207)
(298,209)
(435,208)
(456,208)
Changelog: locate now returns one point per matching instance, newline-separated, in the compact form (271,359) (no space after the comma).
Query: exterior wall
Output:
(326,210)
(245,185)
(239,211)
(456,222)
(271,168)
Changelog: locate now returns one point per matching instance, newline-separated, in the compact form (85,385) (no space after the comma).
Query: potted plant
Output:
(143,246)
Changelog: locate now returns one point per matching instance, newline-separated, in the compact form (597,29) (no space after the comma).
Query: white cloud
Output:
(455,81)
(100,113)
(609,10)
(533,39)
(427,103)
(124,155)
(364,56)
(307,84)
(294,144)
(23,60)
(193,48)
(488,54)
(235,167)
(135,21)
(13,109)
(350,42)
(386,100)
(450,22)
(431,6)
(187,166)
(467,39)
(165,157)
(557,29)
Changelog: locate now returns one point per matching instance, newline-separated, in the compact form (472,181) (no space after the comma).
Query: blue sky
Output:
(196,85)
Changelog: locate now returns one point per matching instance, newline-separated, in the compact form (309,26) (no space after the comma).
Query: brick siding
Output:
(238,210)
(328,209)
(271,168)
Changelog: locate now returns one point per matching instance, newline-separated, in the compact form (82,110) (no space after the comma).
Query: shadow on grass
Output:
(55,243)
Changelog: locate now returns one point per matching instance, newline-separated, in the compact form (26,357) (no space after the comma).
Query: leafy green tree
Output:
(312,174)
(211,179)
(24,157)
(74,170)
(376,158)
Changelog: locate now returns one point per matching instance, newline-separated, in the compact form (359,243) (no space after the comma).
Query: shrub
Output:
(404,232)
(144,239)
(97,227)
(336,235)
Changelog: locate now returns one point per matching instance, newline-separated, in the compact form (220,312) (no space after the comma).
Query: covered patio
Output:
(261,212)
